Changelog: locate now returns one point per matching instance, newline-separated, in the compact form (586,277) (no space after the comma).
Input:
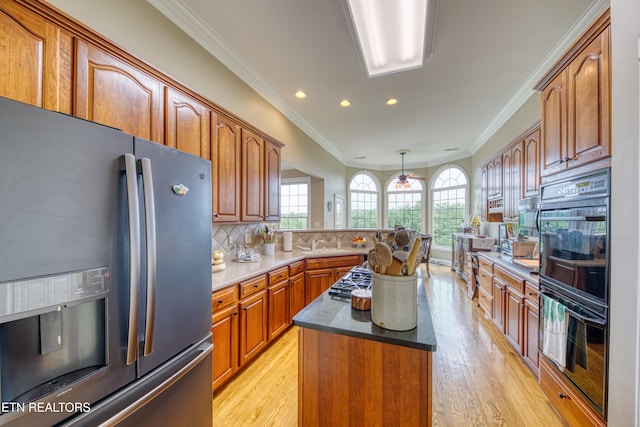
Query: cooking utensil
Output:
(412,259)
(383,256)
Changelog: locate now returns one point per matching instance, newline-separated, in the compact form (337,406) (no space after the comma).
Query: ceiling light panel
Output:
(391,33)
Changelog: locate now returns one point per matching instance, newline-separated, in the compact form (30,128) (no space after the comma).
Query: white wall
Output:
(624,355)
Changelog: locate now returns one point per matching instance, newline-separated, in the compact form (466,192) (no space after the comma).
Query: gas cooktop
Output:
(356,278)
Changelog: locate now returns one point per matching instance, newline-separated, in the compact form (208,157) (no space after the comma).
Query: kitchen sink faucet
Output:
(315,243)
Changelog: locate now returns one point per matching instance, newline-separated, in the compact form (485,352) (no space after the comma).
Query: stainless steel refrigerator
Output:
(105,277)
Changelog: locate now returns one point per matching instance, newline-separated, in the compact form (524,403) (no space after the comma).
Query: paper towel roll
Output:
(287,241)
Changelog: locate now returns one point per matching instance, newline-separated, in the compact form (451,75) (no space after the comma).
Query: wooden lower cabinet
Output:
(296,294)
(344,381)
(316,282)
(499,296)
(253,326)
(224,327)
(279,303)
(513,318)
(530,317)
(565,399)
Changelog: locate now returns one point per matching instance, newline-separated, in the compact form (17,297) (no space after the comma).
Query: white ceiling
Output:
(487,55)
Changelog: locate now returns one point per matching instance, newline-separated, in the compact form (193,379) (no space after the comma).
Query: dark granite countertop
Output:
(335,315)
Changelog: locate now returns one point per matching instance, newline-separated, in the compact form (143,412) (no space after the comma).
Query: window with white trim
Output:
(363,201)
(404,204)
(449,192)
(294,204)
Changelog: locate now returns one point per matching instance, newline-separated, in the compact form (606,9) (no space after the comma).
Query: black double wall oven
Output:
(574,221)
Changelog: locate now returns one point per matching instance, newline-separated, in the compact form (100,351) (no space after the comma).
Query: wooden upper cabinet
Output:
(225,170)
(188,124)
(36,61)
(252,206)
(553,150)
(507,164)
(273,160)
(112,92)
(589,103)
(531,179)
(576,104)
(515,181)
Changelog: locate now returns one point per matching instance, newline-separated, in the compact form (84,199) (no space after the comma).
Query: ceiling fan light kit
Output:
(404,180)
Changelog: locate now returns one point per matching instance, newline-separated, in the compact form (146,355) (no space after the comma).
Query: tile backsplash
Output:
(227,237)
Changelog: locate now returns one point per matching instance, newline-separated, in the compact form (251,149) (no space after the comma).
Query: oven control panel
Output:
(597,184)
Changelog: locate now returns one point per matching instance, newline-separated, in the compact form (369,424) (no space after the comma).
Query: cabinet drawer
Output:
(277,276)
(486,265)
(296,268)
(223,298)
(565,400)
(252,286)
(532,293)
(509,279)
(485,280)
(332,262)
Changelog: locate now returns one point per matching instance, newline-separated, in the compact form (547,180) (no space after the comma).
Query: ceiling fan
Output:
(403,179)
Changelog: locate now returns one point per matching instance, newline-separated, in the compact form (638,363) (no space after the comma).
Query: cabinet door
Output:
(188,124)
(589,103)
(225,345)
(252,177)
(225,170)
(513,318)
(498,303)
(531,180)
(483,194)
(272,181)
(296,294)
(516,178)
(507,164)
(111,92)
(279,318)
(553,151)
(530,317)
(316,282)
(253,326)
(36,61)
(497,179)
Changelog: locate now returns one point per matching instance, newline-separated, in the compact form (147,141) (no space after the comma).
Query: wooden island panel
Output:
(349,381)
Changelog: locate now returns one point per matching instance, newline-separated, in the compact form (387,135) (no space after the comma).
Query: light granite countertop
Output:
(236,272)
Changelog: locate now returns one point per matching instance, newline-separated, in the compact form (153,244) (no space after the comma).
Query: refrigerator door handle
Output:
(150,220)
(134,256)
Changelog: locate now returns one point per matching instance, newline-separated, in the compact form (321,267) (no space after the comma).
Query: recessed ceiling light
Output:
(451,149)
(360,157)
(301,94)
(392,101)
(345,103)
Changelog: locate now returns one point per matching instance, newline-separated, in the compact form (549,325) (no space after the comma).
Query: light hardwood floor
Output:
(478,379)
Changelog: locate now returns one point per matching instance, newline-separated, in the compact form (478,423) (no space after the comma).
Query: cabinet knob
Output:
(561,395)
(531,294)
(219,301)
(215,215)
(255,286)
(235,313)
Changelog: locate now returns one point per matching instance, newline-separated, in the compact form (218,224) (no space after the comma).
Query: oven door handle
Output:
(588,218)
(589,320)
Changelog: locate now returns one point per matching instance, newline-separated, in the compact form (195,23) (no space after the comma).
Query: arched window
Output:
(363,201)
(404,204)
(450,193)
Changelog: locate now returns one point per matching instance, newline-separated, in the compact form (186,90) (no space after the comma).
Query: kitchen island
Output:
(352,372)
